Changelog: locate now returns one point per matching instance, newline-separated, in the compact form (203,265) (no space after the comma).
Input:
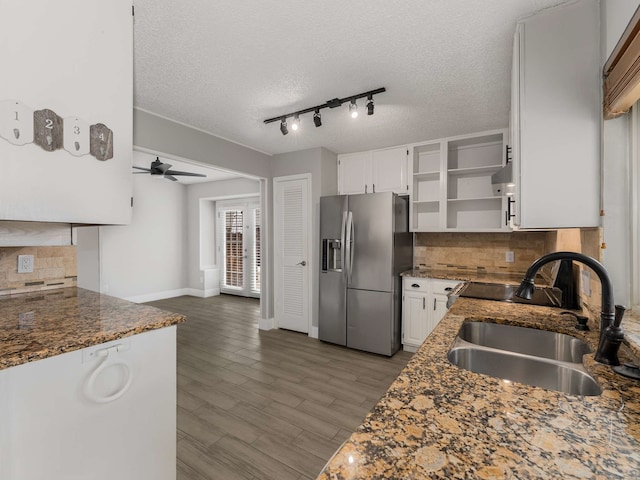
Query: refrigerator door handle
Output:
(343,233)
(349,245)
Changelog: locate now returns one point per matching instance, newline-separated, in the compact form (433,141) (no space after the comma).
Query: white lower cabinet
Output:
(101,413)
(424,303)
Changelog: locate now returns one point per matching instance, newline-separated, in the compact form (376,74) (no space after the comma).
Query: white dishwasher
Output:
(102,413)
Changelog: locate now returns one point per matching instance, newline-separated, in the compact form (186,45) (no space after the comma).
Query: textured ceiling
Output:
(226,65)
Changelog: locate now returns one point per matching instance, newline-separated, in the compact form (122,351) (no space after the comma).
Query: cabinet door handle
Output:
(374,188)
(509,214)
(448,289)
(423,303)
(434,304)
(415,285)
(365,188)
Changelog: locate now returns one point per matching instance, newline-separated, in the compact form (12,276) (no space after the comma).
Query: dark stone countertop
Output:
(38,325)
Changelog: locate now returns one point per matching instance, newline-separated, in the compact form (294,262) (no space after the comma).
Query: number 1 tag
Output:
(16,122)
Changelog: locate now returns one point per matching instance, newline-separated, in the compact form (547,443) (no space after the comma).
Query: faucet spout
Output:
(607,315)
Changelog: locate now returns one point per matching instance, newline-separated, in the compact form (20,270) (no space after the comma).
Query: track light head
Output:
(353,108)
(296,123)
(317,120)
(283,126)
(370,105)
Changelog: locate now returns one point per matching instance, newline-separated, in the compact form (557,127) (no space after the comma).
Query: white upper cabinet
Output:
(354,173)
(451,184)
(556,117)
(66,99)
(389,170)
(373,171)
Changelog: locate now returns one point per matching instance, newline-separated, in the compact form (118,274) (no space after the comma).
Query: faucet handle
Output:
(620,309)
(582,320)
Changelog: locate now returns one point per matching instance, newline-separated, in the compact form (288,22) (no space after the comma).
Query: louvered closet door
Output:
(292,262)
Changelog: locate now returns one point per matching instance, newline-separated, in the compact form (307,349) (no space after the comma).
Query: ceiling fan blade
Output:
(176,172)
(171,177)
(164,167)
(142,168)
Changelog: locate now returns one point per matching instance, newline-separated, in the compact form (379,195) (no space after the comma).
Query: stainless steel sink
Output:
(570,379)
(525,355)
(530,341)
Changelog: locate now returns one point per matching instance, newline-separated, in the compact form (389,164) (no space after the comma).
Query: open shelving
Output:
(451,180)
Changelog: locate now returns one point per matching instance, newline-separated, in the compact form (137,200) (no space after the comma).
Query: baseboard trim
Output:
(266,324)
(151,297)
(314,332)
(194,292)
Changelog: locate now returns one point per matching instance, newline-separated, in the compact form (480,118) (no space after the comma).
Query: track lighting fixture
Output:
(333,103)
(370,105)
(353,109)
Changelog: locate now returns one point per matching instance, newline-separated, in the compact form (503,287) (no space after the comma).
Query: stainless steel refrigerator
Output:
(365,245)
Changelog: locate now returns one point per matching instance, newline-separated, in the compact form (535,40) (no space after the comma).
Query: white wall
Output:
(88,251)
(146,260)
(615,15)
(201,222)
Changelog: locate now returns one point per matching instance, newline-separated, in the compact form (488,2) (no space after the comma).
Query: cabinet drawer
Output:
(413,284)
(443,286)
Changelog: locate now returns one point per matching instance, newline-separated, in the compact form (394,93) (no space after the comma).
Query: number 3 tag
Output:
(76,136)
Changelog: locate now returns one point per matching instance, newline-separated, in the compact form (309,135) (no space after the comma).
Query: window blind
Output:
(233,248)
(621,85)
(255,277)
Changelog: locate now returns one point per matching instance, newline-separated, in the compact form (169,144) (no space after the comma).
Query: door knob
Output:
(303,263)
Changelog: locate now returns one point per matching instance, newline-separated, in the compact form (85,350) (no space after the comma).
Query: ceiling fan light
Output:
(353,108)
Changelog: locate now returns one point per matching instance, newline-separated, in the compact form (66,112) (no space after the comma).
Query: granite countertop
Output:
(440,421)
(38,325)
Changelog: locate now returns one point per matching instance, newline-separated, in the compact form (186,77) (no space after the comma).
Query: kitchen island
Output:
(440,421)
(87,387)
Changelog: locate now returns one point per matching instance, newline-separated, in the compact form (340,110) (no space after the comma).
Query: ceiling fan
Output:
(164,169)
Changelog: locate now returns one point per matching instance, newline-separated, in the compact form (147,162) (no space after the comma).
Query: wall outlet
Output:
(25,263)
(509,257)
(585,282)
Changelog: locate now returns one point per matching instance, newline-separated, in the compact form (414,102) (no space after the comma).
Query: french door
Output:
(239,252)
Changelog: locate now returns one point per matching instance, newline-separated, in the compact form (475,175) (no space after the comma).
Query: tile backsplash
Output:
(54,267)
(487,251)
(479,250)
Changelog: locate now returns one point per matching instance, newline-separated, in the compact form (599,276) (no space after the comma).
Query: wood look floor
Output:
(265,405)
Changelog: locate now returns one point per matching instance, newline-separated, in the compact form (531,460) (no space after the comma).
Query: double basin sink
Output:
(526,355)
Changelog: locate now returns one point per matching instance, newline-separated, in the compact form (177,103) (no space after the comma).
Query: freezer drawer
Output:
(373,324)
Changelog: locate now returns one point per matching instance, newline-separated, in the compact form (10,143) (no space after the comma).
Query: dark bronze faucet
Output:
(611,334)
